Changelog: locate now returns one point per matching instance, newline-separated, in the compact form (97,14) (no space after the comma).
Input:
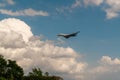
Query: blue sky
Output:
(98,22)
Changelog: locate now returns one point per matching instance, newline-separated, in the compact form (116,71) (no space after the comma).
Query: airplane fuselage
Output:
(69,35)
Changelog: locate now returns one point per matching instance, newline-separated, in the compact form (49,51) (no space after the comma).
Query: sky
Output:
(29,28)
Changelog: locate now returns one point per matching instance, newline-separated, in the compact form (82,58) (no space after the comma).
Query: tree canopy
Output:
(10,70)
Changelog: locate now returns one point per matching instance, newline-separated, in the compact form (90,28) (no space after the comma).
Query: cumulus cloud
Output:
(18,43)
(107,64)
(22,28)
(108,60)
(107,69)
(25,12)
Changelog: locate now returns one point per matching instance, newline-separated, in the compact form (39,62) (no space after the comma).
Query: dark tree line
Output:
(9,70)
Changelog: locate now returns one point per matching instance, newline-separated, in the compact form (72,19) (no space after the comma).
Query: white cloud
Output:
(93,2)
(22,29)
(2,5)
(106,67)
(70,8)
(18,43)
(76,4)
(108,60)
(11,2)
(111,14)
(107,64)
(112,7)
(25,12)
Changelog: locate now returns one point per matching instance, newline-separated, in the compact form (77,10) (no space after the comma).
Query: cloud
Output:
(107,69)
(11,2)
(17,42)
(111,7)
(25,12)
(108,60)
(111,14)
(70,8)
(76,4)
(93,2)
(2,5)
(107,64)
(22,28)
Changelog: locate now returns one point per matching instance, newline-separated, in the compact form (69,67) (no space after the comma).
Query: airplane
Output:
(69,35)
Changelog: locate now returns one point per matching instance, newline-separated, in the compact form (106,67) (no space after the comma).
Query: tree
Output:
(46,74)
(36,72)
(10,70)
(14,71)
(56,78)
(3,64)
(2,78)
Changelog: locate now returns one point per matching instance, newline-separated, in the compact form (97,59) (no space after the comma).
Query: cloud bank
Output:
(17,42)
(106,69)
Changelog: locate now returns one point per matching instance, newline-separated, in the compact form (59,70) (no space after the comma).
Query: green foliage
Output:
(3,64)
(46,74)
(2,78)
(36,72)
(42,78)
(10,70)
(14,71)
